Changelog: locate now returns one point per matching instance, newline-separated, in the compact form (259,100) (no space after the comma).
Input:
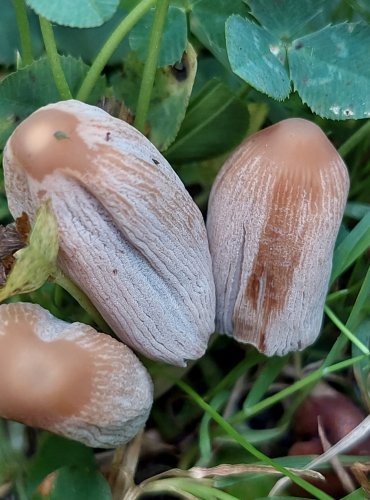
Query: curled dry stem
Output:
(123,468)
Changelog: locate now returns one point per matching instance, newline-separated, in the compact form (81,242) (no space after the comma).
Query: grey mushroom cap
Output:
(131,237)
(70,379)
(273,217)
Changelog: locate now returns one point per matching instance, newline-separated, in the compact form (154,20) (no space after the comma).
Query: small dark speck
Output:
(156,162)
(298,45)
(16,118)
(107,136)
(115,271)
(60,135)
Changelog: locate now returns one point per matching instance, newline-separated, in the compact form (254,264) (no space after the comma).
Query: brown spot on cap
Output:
(42,381)
(69,379)
(294,151)
(48,140)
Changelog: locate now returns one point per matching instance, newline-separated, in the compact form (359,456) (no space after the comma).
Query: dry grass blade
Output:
(353,438)
(124,466)
(360,472)
(235,396)
(231,470)
(343,477)
(5,489)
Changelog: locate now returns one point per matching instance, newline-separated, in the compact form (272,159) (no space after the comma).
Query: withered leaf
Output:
(37,260)
(13,237)
(117,109)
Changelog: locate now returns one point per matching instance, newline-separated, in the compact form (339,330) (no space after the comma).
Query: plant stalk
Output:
(307,382)
(346,331)
(150,66)
(60,279)
(355,139)
(110,46)
(231,431)
(54,60)
(24,32)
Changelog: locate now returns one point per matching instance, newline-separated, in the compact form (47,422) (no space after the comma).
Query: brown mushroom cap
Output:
(70,379)
(273,217)
(130,235)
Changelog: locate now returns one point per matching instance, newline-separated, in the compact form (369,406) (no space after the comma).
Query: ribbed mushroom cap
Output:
(69,379)
(273,217)
(130,235)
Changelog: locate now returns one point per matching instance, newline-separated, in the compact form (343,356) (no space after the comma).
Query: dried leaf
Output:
(13,237)
(37,261)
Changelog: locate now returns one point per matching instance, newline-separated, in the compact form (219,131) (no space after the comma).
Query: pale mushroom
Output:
(273,218)
(131,237)
(69,379)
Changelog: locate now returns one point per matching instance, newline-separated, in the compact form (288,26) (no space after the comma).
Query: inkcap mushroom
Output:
(69,379)
(131,237)
(273,218)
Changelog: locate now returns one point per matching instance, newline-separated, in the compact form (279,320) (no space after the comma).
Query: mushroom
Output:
(70,379)
(131,237)
(273,217)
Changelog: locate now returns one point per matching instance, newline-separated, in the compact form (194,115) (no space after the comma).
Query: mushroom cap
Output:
(273,217)
(131,237)
(70,379)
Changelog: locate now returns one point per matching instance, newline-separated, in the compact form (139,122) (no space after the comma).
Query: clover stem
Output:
(150,66)
(54,59)
(24,32)
(110,46)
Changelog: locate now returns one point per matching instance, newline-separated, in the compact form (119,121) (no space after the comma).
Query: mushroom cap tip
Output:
(297,141)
